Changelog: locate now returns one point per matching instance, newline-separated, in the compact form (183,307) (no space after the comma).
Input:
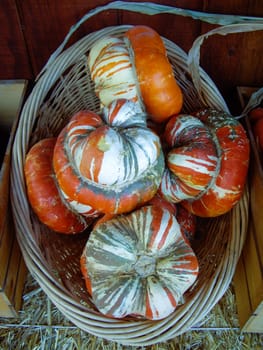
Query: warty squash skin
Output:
(111,162)
(136,67)
(138,264)
(43,193)
(209,179)
(192,158)
(227,187)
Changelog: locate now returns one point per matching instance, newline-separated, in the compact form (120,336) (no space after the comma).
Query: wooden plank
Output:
(6,308)
(248,280)
(253,269)
(235,59)
(7,237)
(46,24)
(20,283)
(256,193)
(13,51)
(12,267)
(244,308)
(11,96)
(255,323)
(13,283)
(248,283)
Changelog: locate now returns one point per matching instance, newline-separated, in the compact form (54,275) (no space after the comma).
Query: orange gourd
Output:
(43,192)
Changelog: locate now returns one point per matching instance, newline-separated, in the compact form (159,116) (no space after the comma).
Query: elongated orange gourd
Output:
(160,92)
(43,193)
(138,264)
(112,162)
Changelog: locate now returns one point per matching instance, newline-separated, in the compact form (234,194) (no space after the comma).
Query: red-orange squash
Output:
(192,158)
(186,220)
(227,187)
(111,162)
(138,264)
(207,174)
(43,193)
(136,67)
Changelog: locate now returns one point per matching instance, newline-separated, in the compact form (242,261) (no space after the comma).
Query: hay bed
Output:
(42,326)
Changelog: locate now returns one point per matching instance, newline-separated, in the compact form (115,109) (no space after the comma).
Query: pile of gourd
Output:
(137,175)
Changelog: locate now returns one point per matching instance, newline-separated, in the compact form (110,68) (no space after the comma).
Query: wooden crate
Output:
(12,267)
(248,279)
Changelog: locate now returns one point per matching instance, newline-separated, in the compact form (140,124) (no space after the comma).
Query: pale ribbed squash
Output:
(138,264)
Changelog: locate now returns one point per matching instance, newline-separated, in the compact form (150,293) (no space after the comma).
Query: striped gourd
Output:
(227,186)
(139,264)
(111,70)
(135,66)
(207,162)
(111,162)
(192,159)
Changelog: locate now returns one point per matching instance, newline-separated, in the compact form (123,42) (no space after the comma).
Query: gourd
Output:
(111,162)
(136,67)
(43,193)
(191,156)
(138,264)
(227,187)
(207,174)
(186,220)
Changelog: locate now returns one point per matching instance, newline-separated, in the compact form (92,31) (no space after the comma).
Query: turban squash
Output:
(185,218)
(111,162)
(208,162)
(136,67)
(43,192)
(138,264)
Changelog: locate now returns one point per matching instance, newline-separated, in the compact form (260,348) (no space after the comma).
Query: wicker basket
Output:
(64,88)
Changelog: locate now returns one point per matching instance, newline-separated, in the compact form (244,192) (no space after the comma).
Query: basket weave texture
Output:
(53,259)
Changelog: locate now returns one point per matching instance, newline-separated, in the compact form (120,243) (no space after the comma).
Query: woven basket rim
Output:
(131,332)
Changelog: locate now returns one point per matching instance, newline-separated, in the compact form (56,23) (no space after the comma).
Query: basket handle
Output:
(194,52)
(230,23)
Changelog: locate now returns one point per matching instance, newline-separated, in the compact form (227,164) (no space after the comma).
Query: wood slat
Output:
(46,23)
(235,59)
(12,266)
(14,58)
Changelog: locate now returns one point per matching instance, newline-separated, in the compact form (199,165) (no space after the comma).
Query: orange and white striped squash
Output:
(185,218)
(111,162)
(136,67)
(207,174)
(192,158)
(227,186)
(111,70)
(139,264)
